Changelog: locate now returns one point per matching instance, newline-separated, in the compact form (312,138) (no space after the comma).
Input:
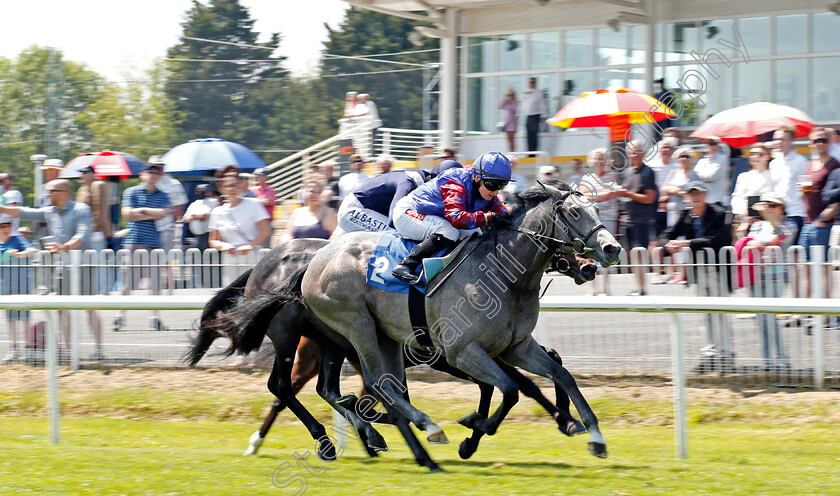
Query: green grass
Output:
(112,456)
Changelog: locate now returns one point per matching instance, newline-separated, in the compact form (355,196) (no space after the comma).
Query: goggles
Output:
(494,184)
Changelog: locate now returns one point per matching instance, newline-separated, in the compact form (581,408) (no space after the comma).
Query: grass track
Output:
(111,456)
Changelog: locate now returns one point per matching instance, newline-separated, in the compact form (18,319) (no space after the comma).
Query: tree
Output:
(398,95)
(137,118)
(41,97)
(208,90)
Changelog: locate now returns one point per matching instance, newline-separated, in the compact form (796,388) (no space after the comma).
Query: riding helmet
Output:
(492,165)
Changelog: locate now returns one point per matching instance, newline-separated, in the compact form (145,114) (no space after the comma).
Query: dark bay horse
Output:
(343,306)
(276,266)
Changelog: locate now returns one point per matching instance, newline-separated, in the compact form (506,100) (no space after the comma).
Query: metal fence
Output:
(601,342)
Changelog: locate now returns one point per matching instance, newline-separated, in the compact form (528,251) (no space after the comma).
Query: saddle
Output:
(390,250)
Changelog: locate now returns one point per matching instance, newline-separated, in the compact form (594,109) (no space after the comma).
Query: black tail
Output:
(222,301)
(246,324)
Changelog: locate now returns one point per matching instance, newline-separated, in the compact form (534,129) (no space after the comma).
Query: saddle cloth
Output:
(390,250)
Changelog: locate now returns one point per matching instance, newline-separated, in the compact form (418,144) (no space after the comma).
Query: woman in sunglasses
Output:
(454,204)
(754,182)
(769,281)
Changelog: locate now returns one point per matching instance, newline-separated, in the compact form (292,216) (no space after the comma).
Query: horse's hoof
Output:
(326,451)
(376,442)
(573,428)
(436,436)
(469,419)
(597,449)
(347,401)
(465,450)
(254,444)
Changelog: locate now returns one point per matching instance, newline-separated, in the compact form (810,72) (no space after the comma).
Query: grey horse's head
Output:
(568,216)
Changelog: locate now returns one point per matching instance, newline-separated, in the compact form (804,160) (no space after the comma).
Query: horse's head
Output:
(573,219)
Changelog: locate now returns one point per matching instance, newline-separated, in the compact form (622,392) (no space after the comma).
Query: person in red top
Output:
(811,184)
(265,194)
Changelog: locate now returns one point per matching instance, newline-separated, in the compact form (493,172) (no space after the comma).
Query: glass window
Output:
(518,84)
(548,84)
(481,106)
(612,46)
(636,80)
(577,48)
(791,32)
(826,34)
(825,94)
(717,94)
(611,79)
(790,83)
(480,53)
(712,32)
(545,48)
(681,40)
(637,44)
(755,33)
(575,83)
(692,90)
(512,52)
(753,82)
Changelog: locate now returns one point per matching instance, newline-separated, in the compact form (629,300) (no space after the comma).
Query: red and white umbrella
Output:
(739,126)
(617,110)
(105,164)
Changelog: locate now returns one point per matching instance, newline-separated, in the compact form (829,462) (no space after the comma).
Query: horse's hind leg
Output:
(529,356)
(305,368)
(329,388)
(572,427)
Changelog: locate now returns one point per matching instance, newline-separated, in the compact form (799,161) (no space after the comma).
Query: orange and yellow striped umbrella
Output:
(605,108)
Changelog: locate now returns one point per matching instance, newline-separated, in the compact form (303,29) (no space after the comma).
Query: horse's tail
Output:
(246,324)
(223,300)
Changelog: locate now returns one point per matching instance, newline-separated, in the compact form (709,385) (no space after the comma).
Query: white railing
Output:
(286,175)
(405,144)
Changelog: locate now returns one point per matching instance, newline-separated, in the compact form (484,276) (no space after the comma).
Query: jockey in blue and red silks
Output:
(454,204)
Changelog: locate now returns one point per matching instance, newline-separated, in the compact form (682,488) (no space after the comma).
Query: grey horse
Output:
(487,308)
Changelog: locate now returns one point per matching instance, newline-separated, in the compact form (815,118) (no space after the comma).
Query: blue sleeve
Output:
(128,198)
(405,187)
(831,190)
(20,243)
(27,213)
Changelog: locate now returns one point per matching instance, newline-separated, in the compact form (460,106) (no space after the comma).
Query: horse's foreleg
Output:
(473,360)
(529,356)
(258,437)
(306,366)
(565,422)
(469,445)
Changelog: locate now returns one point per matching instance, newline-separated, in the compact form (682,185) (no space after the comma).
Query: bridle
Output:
(576,240)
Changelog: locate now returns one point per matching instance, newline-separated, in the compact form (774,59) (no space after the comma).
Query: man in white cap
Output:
(52,168)
(702,225)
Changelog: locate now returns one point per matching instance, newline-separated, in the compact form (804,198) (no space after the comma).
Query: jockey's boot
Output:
(427,247)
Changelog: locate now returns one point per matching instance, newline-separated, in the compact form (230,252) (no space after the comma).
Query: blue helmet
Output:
(492,165)
(445,166)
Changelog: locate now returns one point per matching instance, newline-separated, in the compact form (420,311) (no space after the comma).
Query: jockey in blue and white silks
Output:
(456,202)
(371,205)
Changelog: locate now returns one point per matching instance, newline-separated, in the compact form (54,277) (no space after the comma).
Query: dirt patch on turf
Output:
(425,385)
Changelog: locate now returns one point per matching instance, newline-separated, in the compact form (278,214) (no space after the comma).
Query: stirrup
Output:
(403,272)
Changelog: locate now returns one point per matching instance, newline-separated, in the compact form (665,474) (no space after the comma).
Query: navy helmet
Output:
(492,165)
(445,165)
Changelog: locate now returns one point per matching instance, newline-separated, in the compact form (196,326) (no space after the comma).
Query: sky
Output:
(120,39)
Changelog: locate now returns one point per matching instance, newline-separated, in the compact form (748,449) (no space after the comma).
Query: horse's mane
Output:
(525,200)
